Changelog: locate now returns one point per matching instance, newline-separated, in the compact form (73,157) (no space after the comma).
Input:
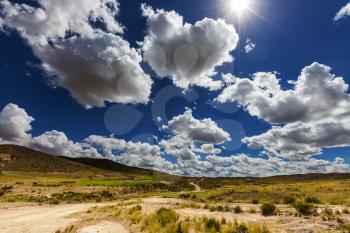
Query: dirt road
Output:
(196,187)
(46,219)
(30,218)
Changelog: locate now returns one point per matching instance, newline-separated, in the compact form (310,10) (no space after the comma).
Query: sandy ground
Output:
(104,227)
(45,219)
(280,223)
(30,218)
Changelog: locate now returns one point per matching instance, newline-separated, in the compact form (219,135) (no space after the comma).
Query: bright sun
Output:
(240,6)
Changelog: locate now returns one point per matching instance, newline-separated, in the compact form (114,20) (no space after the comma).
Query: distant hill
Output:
(18,158)
(22,159)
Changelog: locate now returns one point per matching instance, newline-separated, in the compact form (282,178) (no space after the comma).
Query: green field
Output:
(10,177)
(327,191)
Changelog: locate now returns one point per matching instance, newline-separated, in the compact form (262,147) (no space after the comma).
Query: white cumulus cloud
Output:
(187,132)
(188,54)
(343,12)
(57,143)
(315,90)
(15,123)
(310,116)
(249,46)
(135,154)
(94,65)
(152,156)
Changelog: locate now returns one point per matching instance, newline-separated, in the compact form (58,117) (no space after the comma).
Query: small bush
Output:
(223,221)
(68,229)
(212,224)
(5,189)
(252,211)
(346,211)
(242,228)
(179,228)
(255,201)
(166,216)
(237,209)
(304,208)
(268,209)
(106,194)
(163,221)
(312,200)
(327,214)
(185,195)
(220,208)
(289,200)
(136,208)
(54,202)
(227,208)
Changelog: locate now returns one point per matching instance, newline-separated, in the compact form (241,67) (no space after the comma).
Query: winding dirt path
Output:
(196,187)
(47,219)
(29,218)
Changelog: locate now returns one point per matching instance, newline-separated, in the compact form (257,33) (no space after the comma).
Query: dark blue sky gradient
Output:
(289,35)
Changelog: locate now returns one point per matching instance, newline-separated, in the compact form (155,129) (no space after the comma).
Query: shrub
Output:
(223,221)
(227,208)
(312,200)
(68,229)
(166,216)
(304,208)
(136,208)
(106,194)
(346,211)
(252,210)
(220,208)
(5,189)
(327,214)
(185,195)
(289,200)
(255,201)
(179,228)
(242,228)
(268,209)
(163,221)
(237,209)
(54,202)
(212,224)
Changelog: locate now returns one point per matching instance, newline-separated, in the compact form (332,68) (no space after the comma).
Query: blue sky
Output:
(287,35)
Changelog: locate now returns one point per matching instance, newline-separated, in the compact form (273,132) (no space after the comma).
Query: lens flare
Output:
(240,6)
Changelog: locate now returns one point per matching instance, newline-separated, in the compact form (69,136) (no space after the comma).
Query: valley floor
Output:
(129,216)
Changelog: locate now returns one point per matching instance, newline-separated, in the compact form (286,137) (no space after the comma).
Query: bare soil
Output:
(41,219)
(31,218)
